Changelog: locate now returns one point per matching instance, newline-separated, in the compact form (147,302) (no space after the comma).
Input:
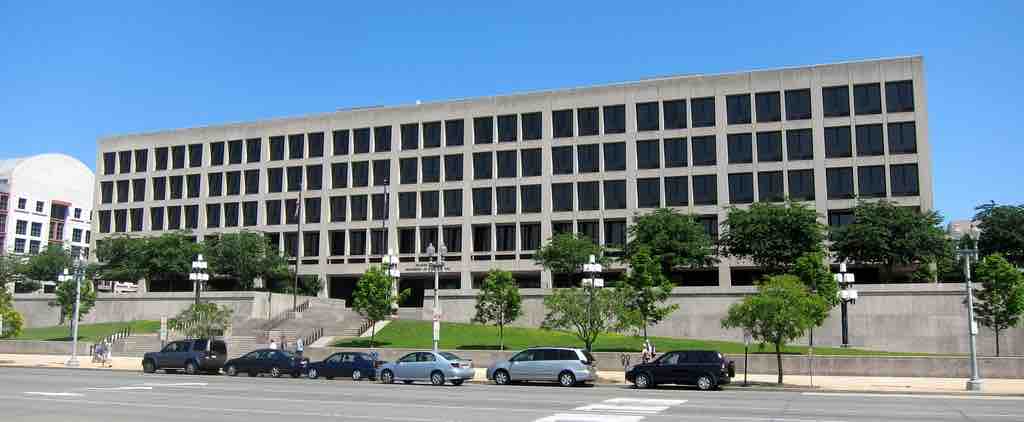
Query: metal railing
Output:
(117,335)
(285,316)
(314,336)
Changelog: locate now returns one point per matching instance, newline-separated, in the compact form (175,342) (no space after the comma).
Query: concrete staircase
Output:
(329,315)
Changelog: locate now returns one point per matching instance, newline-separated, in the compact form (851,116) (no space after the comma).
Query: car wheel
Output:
(705,382)
(642,381)
(357,375)
(313,373)
(231,370)
(275,372)
(437,378)
(148,366)
(567,379)
(457,382)
(387,377)
(501,378)
(191,368)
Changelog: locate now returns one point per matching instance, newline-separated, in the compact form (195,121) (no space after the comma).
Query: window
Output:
(482,201)
(453,203)
(615,233)
(195,155)
(505,196)
(316,145)
(869,140)
(532,162)
(533,126)
(141,160)
(705,190)
(104,227)
(531,198)
(453,168)
(675,114)
(217,153)
(737,108)
(741,188)
(562,121)
(106,194)
(614,194)
(359,207)
(770,187)
(276,148)
(454,132)
(677,193)
(406,240)
(314,177)
(560,227)
(769,107)
(801,185)
(483,130)
(253,150)
(614,156)
(340,142)
(235,152)
(483,165)
(193,181)
(589,229)
(703,112)
(294,179)
(273,212)
(561,197)
(361,140)
(124,162)
(382,139)
(291,211)
(482,238)
(109,162)
(904,180)
(432,135)
(408,171)
(19,244)
(39,204)
(339,175)
(769,146)
(159,188)
(275,179)
(615,119)
(647,117)
(741,148)
(410,136)
(431,167)
(380,206)
(837,142)
(588,195)
(337,242)
(899,96)
(339,207)
(161,158)
(231,214)
(530,236)
(589,158)
(178,157)
(902,138)
(430,204)
(703,150)
(381,172)
(871,181)
(120,222)
(311,244)
(867,99)
(839,218)
(407,205)
(648,154)
(507,128)
(588,121)
(453,238)
(77,214)
(139,190)
(648,192)
(562,160)
(799,144)
(507,164)
(21,227)
(156,220)
(798,104)
(176,187)
(835,101)
(33,245)
(357,242)
(839,182)
(212,216)
(505,237)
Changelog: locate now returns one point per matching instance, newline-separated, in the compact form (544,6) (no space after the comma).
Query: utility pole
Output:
(847,296)
(593,269)
(436,265)
(77,269)
(199,276)
(967,254)
(298,249)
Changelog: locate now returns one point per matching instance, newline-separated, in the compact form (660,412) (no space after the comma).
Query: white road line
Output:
(743,418)
(175,384)
(582,417)
(601,407)
(654,402)
(43,393)
(118,388)
(915,396)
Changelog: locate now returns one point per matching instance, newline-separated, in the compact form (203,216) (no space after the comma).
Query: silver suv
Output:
(566,366)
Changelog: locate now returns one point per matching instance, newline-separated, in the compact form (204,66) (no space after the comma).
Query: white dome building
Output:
(45,199)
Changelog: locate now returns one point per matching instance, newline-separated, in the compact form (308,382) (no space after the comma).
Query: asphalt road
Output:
(90,395)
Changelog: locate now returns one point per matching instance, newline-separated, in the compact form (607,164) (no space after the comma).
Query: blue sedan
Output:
(437,368)
(345,364)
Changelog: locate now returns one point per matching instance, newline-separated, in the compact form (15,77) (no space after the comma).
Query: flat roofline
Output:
(109,138)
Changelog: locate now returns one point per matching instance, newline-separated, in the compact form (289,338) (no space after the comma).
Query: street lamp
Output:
(847,295)
(436,264)
(298,249)
(199,276)
(391,263)
(967,254)
(593,269)
(74,274)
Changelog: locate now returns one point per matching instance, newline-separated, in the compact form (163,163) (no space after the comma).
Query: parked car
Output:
(345,364)
(267,361)
(706,369)
(566,366)
(428,366)
(194,356)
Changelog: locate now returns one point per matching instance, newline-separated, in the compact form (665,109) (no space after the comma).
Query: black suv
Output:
(704,368)
(194,356)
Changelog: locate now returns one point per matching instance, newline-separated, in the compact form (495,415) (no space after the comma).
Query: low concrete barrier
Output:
(34,347)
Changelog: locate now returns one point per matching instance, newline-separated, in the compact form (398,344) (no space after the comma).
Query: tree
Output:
(498,302)
(65,293)
(48,264)
(674,239)
(204,320)
(245,256)
(169,256)
(886,234)
(643,291)
(812,269)
(13,322)
(11,270)
(1002,231)
(772,236)
(781,311)
(565,253)
(373,298)
(121,258)
(1001,296)
(589,311)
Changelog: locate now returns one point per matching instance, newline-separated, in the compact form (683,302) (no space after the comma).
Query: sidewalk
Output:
(57,361)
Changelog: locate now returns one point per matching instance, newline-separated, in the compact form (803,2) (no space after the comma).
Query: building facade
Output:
(493,177)
(45,199)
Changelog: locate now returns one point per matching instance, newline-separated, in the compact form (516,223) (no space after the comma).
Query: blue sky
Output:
(72,72)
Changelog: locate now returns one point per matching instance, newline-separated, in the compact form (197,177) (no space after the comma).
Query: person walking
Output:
(273,344)
(299,346)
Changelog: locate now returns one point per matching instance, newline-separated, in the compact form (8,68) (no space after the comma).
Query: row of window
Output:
(39,208)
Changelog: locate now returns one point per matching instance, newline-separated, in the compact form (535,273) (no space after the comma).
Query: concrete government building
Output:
(494,177)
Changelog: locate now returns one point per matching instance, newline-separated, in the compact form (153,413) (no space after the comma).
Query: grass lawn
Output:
(417,335)
(87,332)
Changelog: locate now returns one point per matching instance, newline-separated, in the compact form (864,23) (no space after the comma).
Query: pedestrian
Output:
(273,344)
(298,347)
(651,352)
(645,353)
(108,354)
(284,342)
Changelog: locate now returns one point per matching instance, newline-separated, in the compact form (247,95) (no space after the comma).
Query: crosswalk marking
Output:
(43,393)
(581,417)
(601,407)
(620,409)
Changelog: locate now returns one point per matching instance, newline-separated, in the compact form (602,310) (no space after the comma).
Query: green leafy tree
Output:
(373,298)
(1000,296)
(565,253)
(13,322)
(644,292)
(674,239)
(244,256)
(772,236)
(498,302)
(883,233)
(169,257)
(812,269)
(1002,231)
(589,311)
(65,293)
(11,270)
(781,311)
(121,258)
(204,320)
(48,264)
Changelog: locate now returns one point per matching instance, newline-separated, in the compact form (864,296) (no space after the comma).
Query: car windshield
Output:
(449,356)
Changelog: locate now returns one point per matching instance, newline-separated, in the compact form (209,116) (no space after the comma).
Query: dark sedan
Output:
(707,369)
(345,364)
(267,361)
